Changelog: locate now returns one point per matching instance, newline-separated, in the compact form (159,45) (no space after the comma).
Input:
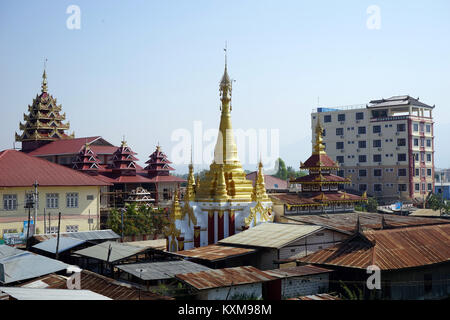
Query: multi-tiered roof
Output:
(43,123)
(158,164)
(87,161)
(123,161)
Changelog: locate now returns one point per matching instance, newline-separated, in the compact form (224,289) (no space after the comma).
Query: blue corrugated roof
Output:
(65,243)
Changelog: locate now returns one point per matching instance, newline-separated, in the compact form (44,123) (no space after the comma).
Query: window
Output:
(402,172)
(376,129)
(417,172)
(327,118)
(339,131)
(428,172)
(90,197)
(423,186)
(341,117)
(377,158)
(428,143)
(401,157)
(73,228)
(72,200)
(361,130)
(401,142)
(416,127)
(359,115)
(421,126)
(363,173)
(402,187)
(340,159)
(422,156)
(428,157)
(362,144)
(10,201)
(363,187)
(53,229)
(377,143)
(377,172)
(430,187)
(52,200)
(339,145)
(417,187)
(428,127)
(377,187)
(422,142)
(362,158)
(416,142)
(401,127)
(423,172)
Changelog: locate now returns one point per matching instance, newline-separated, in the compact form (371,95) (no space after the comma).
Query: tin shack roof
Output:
(161,270)
(319,296)
(119,251)
(65,243)
(105,286)
(347,221)
(388,249)
(215,252)
(18,293)
(298,271)
(225,277)
(271,235)
(21,265)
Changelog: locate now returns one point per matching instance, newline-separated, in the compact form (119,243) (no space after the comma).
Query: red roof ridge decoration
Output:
(158,163)
(123,161)
(87,161)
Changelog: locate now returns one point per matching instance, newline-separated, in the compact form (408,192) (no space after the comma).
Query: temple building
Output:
(224,202)
(43,123)
(318,192)
(122,178)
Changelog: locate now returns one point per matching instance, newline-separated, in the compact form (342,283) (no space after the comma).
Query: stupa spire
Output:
(319,147)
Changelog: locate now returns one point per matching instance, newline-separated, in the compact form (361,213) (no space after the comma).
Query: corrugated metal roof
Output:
(23,265)
(215,252)
(108,287)
(271,235)
(19,293)
(347,221)
(19,169)
(92,235)
(119,251)
(225,277)
(298,271)
(388,249)
(161,270)
(159,244)
(65,243)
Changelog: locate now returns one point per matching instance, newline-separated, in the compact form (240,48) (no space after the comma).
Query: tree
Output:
(282,171)
(372,205)
(138,220)
(435,202)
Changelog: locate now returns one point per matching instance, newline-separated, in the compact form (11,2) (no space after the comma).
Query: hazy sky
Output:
(144,69)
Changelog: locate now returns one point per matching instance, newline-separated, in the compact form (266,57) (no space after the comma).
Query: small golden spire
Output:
(190,190)
(319,148)
(176,209)
(221,187)
(259,190)
(124,143)
(44,82)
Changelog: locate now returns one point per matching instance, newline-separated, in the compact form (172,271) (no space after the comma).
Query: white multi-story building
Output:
(385,147)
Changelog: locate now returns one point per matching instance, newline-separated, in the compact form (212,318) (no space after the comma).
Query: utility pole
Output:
(35,198)
(28,226)
(49,226)
(442,193)
(121,211)
(57,240)
(89,220)
(45,226)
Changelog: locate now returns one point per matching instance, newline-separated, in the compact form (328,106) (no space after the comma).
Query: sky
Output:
(148,69)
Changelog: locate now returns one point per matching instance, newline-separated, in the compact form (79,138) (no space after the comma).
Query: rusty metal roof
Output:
(97,283)
(225,277)
(298,271)
(215,252)
(347,221)
(388,249)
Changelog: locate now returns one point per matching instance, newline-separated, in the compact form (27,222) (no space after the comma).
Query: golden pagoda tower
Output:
(259,190)
(225,157)
(43,123)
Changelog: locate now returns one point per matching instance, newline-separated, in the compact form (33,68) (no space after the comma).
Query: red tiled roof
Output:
(317,160)
(71,146)
(388,249)
(19,169)
(270,182)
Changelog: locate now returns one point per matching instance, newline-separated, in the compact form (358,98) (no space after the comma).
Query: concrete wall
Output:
(13,219)
(300,286)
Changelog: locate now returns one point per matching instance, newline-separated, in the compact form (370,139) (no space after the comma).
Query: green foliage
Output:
(292,173)
(372,205)
(351,294)
(435,202)
(138,220)
(282,171)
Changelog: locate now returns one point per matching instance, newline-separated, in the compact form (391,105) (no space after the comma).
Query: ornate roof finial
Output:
(225,85)
(124,143)
(319,148)
(44,77)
